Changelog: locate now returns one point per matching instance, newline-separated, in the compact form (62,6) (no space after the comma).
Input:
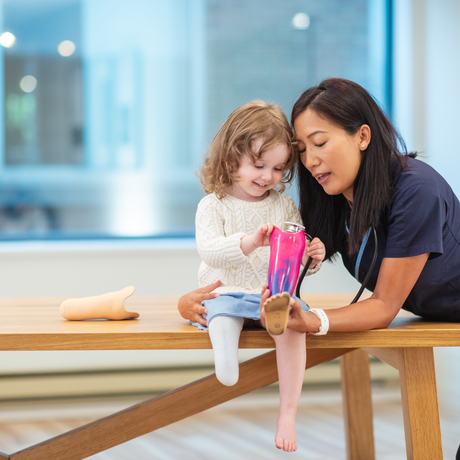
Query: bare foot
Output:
(276,310)
(286,436)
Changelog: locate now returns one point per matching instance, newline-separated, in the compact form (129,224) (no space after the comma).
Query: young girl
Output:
(251,155)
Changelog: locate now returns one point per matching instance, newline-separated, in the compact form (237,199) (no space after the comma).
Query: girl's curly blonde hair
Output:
(235,139)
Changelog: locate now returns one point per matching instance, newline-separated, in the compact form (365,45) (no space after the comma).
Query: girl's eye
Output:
(278,169)
(258,166)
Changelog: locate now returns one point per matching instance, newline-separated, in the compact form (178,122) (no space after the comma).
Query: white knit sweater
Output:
(220,225)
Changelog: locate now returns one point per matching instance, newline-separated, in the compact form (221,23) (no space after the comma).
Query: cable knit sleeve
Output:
(216,249)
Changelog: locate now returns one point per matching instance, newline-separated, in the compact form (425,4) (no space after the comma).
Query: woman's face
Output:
(330,154)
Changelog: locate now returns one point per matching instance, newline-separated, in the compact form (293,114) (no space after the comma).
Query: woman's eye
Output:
(320,145)
(303,150)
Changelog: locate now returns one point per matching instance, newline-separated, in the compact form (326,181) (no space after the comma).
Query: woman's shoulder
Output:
(420,190)
(416,172)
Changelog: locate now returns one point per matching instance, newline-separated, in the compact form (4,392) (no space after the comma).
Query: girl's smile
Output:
(255,179)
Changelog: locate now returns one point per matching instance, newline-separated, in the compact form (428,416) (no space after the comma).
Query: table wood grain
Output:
(35,324)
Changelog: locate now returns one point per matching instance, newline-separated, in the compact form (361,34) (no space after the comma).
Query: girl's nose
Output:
(267,174)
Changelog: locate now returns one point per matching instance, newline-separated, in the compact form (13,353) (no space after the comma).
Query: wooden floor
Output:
(240,429)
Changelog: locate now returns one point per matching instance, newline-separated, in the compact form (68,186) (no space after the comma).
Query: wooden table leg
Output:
(419,399)
(163,410)
(357,405)
(420,404)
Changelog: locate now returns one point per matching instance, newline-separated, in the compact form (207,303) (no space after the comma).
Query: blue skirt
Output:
(236,304)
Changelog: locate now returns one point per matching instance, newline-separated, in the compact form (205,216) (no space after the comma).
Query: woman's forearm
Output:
(396,279)
(364,315)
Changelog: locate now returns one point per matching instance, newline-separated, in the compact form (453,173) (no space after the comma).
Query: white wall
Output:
(167,267)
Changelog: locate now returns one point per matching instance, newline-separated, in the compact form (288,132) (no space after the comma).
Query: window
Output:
(109,105)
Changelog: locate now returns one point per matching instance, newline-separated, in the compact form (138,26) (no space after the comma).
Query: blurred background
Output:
(109,106)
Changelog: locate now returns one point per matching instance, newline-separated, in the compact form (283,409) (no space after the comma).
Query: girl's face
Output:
(332,156)
(256,179)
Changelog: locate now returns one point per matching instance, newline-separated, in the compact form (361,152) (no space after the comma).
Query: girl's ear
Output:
(364,136)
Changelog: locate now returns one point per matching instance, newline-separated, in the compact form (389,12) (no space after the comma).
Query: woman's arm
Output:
(189,304)
(396,279)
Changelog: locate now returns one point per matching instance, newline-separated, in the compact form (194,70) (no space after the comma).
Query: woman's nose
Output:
(308,160)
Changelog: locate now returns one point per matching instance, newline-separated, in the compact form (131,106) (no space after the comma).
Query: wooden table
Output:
(35,324)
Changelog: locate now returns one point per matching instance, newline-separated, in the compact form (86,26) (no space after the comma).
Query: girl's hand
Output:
(261,237)
(190,307)
(316,250)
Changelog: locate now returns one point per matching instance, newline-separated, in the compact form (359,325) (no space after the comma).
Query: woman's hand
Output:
(316,250)
(265,296)
(299,320)
(302,321)
(190,307)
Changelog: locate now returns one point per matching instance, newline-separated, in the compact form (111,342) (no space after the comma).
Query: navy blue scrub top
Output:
(424,217)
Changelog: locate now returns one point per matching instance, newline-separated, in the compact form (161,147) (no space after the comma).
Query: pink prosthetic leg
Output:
(286,250)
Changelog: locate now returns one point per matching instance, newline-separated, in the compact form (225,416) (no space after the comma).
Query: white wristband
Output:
(321,314)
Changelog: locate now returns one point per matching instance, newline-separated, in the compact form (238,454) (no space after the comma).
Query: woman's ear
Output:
(364,136)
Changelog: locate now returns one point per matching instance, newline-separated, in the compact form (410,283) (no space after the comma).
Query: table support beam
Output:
(163,410)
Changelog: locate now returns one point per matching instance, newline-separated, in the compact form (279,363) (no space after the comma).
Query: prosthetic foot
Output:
(277,313)
(105,306)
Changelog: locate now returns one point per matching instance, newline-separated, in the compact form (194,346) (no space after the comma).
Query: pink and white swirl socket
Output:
(286,250)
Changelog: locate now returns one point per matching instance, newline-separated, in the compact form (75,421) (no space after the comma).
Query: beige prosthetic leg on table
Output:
(105,306)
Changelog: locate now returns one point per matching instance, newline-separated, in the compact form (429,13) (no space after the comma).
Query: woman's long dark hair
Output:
(348,105)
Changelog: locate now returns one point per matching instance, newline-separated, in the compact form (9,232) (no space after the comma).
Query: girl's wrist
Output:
(247,244)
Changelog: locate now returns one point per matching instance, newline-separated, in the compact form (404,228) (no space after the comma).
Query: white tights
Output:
(224,332)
